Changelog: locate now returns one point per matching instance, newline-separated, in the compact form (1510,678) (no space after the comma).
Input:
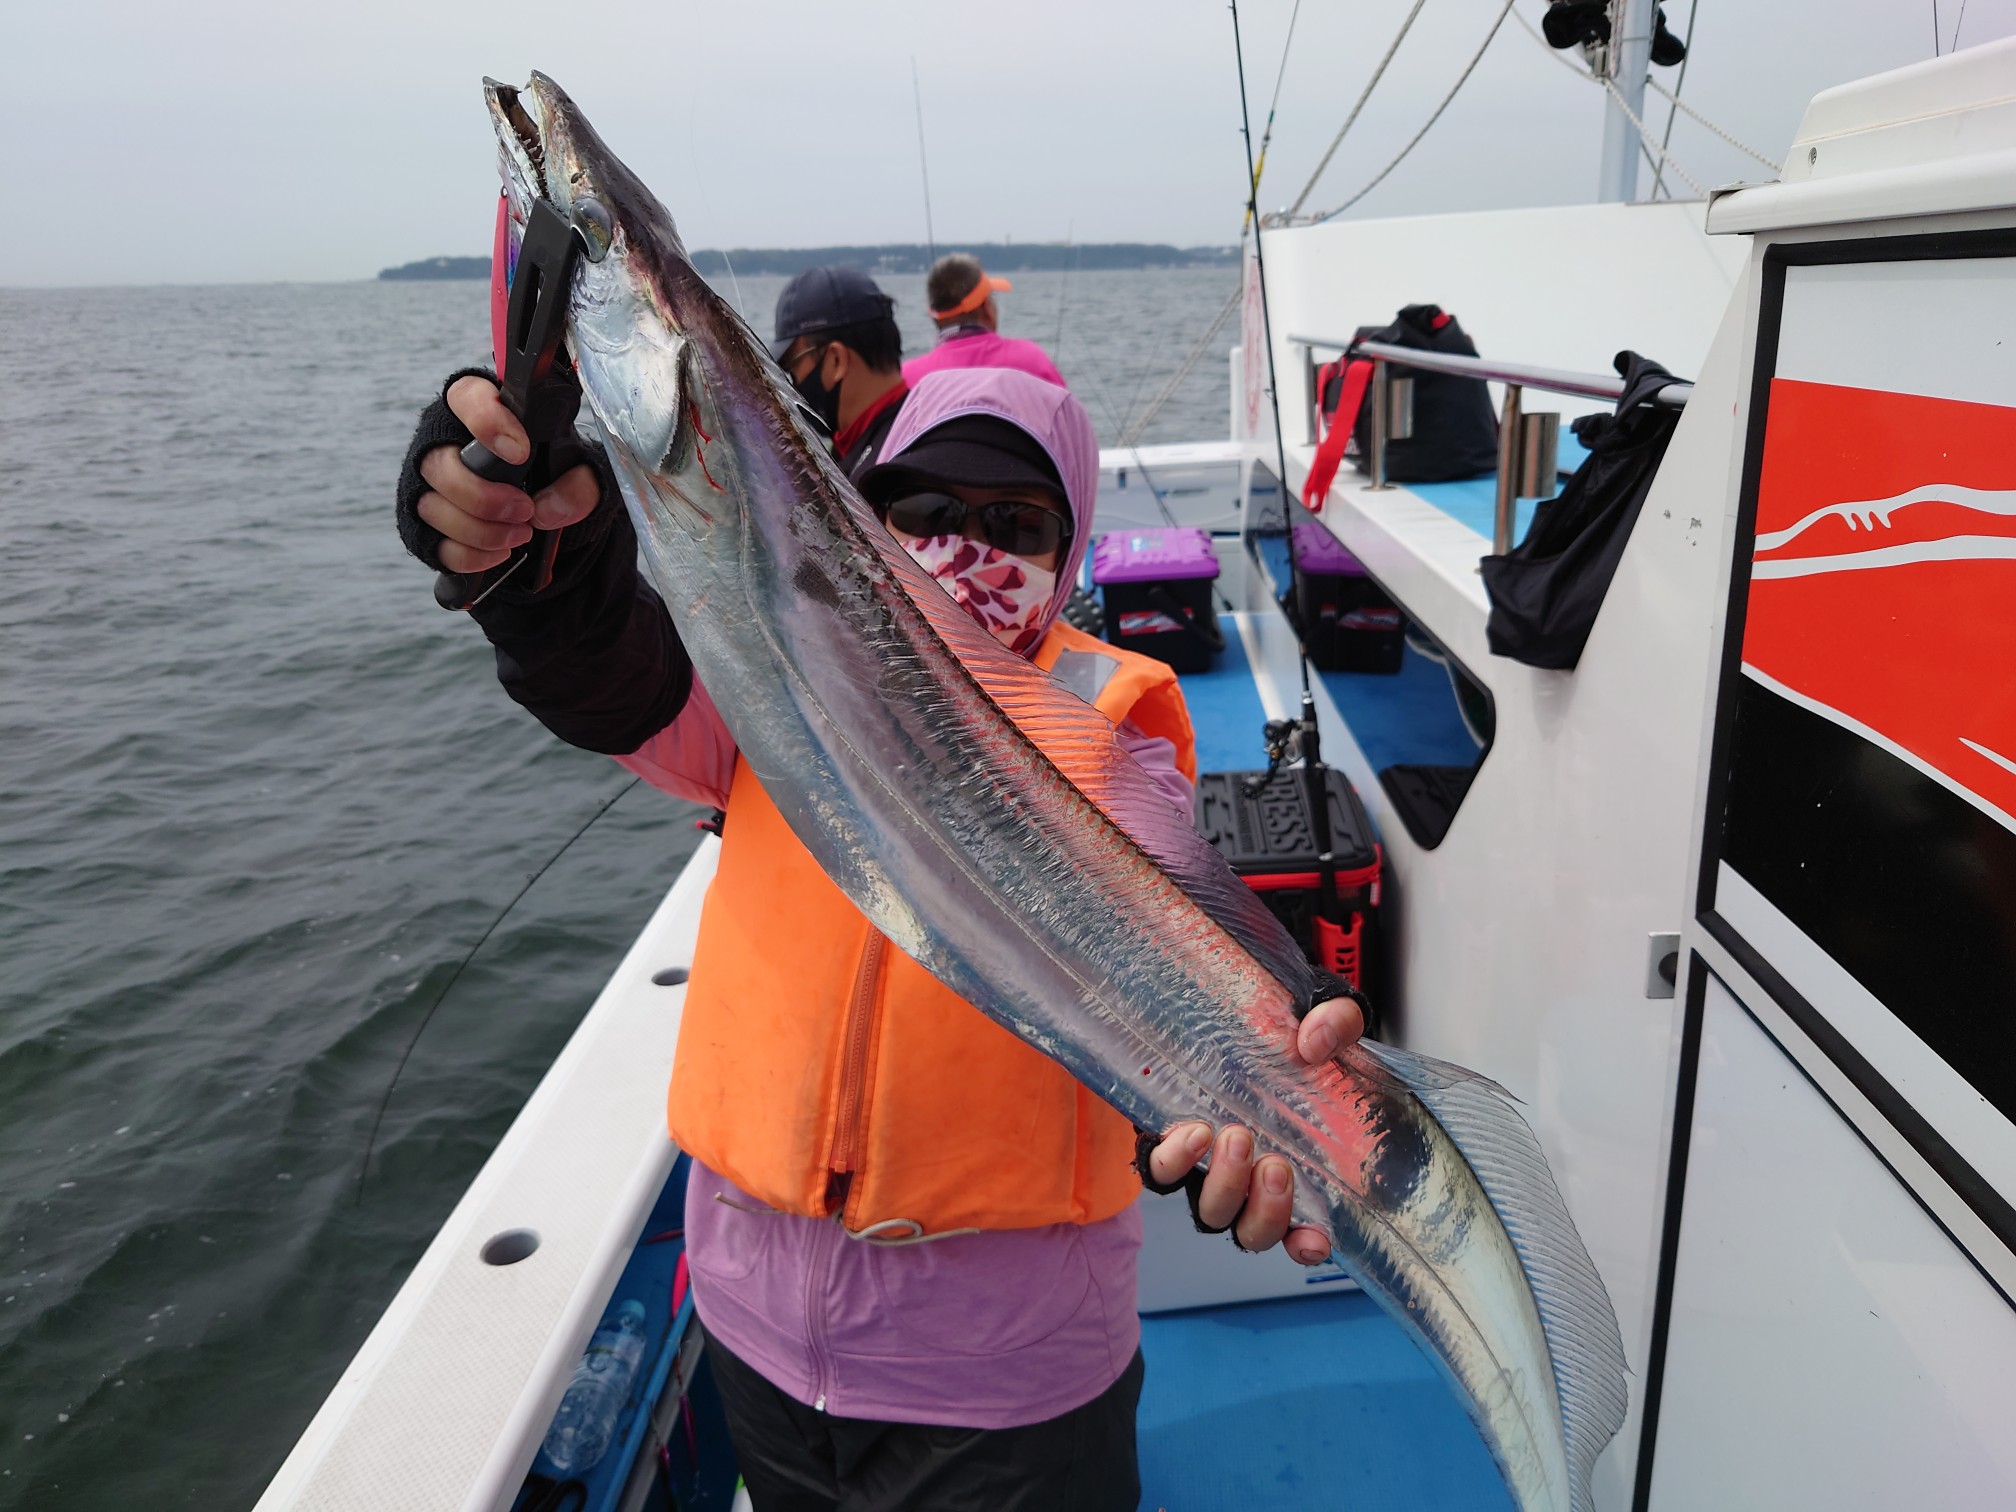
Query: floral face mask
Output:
(1003,592)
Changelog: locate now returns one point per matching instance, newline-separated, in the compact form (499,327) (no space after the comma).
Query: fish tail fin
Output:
(1576,1314)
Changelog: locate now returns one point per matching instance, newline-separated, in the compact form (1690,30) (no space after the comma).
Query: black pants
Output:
(796,1459)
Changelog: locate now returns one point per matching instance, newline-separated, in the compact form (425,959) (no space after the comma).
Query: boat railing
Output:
(1528,440)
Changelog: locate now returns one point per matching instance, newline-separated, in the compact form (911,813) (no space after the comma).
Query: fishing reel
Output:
(1280,738)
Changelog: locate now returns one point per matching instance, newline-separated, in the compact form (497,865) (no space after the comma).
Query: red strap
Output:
(1323,470)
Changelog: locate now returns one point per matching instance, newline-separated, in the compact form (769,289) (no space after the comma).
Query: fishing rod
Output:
(1306,738)
(1267,133)
(370,1143)
(923,165)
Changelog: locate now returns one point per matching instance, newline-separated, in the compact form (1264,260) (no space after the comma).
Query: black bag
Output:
(1546,590)
(1455,432)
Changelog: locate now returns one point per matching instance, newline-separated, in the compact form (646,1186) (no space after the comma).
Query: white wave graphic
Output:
(1867,514)
(1995,756)
(1951,549)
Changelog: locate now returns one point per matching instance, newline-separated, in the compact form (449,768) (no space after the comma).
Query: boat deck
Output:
(1316,1403)
(1266,1384)
(1319,1401)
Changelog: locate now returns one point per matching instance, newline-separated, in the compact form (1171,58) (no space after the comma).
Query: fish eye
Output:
(597,229)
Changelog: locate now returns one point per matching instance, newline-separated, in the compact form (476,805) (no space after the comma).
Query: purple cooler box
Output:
(1157,590)
(1348,623)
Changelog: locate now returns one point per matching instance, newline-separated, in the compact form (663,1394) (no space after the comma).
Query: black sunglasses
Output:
(1020,527)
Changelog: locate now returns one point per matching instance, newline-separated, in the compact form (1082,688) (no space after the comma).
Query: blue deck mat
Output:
(1225,709)
(1407,717)
(1312,1403)
(1474,501)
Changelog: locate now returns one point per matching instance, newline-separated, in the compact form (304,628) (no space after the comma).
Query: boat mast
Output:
(1627,60)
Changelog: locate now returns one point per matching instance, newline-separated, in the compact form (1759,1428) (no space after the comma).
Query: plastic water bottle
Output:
(586,1421)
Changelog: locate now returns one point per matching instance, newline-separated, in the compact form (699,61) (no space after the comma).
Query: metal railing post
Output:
(1505,517)
(1312,412)
(1380,399)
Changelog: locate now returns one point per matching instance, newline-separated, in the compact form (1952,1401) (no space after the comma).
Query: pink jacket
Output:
(972,346)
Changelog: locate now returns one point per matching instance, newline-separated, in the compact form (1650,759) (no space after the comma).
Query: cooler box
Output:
(1271,842)
(1348,623)
(1157,587)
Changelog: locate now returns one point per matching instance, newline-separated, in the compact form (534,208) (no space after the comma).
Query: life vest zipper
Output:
(852,1107)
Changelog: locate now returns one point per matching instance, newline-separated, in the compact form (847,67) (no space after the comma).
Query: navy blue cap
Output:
(825,299)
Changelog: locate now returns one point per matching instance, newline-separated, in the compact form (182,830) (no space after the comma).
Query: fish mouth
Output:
(519,116)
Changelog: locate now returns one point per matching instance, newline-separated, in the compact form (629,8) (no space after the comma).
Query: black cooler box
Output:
(1271,842)
(1348,623)
(1157,586)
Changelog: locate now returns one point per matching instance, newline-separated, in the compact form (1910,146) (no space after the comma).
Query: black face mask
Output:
(824,402)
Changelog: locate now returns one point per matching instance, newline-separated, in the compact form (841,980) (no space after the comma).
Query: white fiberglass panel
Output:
(1829,1345)
(1888,326)
(1978,1131)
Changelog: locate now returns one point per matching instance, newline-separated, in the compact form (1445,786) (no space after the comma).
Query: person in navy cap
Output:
(837,340)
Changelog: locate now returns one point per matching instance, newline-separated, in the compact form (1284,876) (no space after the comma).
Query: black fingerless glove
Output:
(1324,987)
(1190,1184)
(580,544)
(438,427)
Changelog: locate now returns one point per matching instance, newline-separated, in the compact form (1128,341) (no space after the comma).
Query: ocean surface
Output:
(258,798)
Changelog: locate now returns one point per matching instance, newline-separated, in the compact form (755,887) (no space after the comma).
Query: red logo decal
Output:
(1883,587)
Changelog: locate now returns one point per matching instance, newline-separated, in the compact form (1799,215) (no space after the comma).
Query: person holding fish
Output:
(912,1236)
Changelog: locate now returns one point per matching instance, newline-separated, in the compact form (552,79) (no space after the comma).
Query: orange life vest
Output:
(822,1070)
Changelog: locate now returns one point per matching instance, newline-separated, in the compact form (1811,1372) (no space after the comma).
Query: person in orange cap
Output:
(961,295)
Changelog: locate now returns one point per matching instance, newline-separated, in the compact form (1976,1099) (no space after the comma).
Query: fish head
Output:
(666,365)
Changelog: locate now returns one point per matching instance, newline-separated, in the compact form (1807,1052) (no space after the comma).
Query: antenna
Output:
(923,166)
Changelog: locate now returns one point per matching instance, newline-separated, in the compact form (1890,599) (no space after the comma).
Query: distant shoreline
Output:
(432,268)
(896,257)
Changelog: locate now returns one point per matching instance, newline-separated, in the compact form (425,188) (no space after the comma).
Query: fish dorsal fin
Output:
(1576,1315)
(1082,744)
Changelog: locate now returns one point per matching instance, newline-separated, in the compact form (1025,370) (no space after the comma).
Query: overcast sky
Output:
(204,141)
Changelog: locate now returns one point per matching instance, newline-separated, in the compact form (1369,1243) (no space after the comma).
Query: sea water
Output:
(258,797)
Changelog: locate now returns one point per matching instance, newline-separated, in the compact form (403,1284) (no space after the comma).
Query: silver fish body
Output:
(988,824)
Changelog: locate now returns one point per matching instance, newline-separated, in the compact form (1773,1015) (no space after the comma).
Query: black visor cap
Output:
(976,451)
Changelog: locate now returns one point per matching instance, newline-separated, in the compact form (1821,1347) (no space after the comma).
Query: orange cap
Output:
(988,285)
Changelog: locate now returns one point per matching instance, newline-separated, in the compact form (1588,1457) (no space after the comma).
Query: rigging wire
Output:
(1954,45)
(1137,428)
(1645,137)
(1737,142)
(364,1170)
(1679,83)
(1266,320)
(1587,77)
(1350,120)
(1415,141)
